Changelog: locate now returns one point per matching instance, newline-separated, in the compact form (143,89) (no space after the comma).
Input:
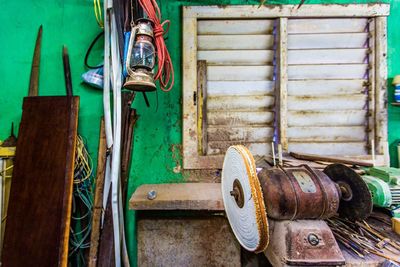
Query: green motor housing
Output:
(388,174)
(380,191)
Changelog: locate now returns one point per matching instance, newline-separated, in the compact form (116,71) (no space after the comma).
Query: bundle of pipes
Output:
(363,239)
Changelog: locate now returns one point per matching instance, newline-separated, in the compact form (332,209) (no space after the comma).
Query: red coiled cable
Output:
(165,72)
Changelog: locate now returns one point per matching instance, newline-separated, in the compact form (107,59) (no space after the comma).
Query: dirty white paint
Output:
(245,103)
(339,148)
(326,134)
(327,56)
(332,71)
(326,118)
(239,73)
(248,134)
(240,118)
(243,88)
(256,11)
(330,102)
(235,27)
(235,42)
(319,87)
(331,25)
(326,40)
(236,57)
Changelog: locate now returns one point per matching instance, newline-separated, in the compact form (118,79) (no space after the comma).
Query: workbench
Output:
(207,197)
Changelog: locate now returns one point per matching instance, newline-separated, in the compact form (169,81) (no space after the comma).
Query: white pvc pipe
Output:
(106,104)
(113,78)
(118,225)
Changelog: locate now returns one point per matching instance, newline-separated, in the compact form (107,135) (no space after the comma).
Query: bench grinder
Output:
(280,210)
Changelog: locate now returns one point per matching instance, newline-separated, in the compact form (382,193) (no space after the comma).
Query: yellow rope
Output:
(98,13)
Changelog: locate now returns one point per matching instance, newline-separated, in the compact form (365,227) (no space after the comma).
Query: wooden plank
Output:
(186,196)
(370,87)
(209,162)
(271,11)
(334,148)
(250,103)
(202,103)
(257,149)
(326,134)
(342,102)
(240,118)
(325,87)
(327,56)
(347,71)
(327,25)
(98,197)
(128,120)
(239,73)
(240,88)
(106,256)
(330,40)
(39,213)
(327,118)
(235,26)
(381,118)
(282,80)
(189,82)
(235,42)
(331,159)
(237,57)
(187,242)
(245,134)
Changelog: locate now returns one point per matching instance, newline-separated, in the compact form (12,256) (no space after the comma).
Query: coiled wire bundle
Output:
(82,203)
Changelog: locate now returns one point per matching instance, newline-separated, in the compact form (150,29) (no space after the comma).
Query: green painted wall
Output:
(157,144)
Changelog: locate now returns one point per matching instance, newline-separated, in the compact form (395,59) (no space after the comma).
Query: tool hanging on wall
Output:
(147,39)
(141,57)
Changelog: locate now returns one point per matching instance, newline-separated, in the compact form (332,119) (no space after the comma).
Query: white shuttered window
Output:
(313,82)
(239,101)
(330,66)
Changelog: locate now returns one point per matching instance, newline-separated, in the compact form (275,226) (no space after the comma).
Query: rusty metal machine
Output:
(280,210)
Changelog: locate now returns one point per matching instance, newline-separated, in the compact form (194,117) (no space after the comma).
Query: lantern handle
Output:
(130,45)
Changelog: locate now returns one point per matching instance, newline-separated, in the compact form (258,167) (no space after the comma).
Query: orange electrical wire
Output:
(165,71)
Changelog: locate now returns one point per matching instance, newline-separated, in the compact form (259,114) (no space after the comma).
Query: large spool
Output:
(243,199)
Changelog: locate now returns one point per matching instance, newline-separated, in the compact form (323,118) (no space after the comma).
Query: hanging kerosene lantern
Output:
(141,57)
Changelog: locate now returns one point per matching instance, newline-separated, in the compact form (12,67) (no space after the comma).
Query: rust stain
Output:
(177,155)
(192,133)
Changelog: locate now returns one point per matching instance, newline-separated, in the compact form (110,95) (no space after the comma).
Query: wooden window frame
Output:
(192,159)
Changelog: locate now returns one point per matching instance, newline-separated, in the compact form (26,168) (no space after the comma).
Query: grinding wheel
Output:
(243,199)
(356,201)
